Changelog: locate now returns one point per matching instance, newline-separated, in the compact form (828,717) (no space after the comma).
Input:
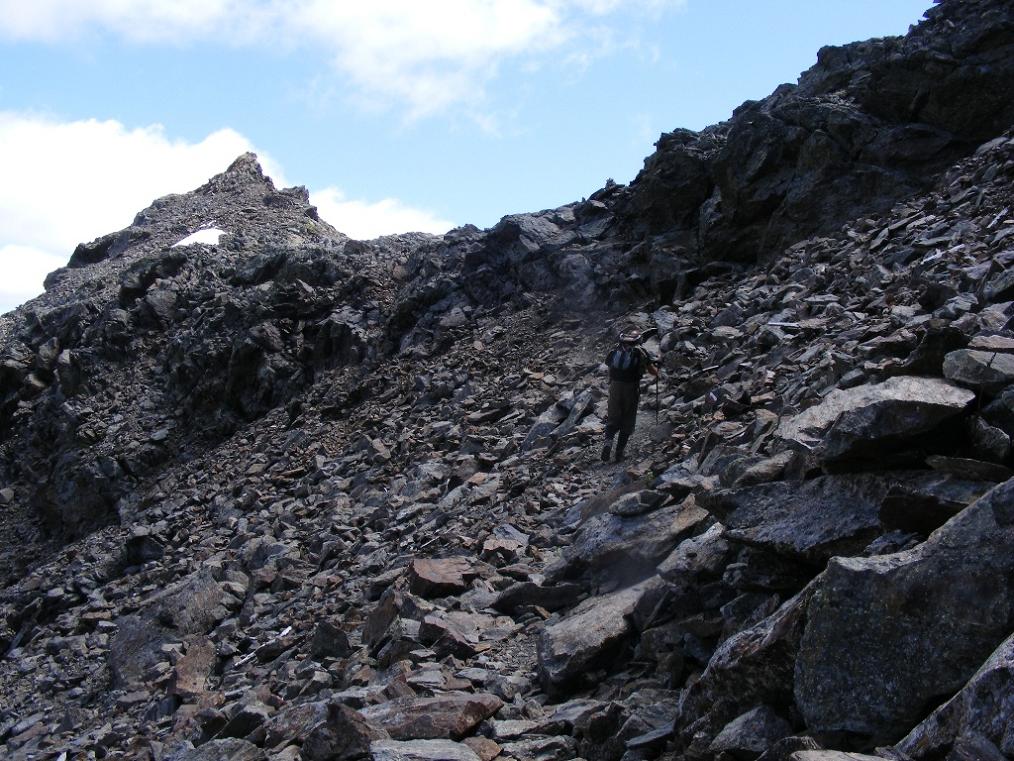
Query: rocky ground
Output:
(292,496)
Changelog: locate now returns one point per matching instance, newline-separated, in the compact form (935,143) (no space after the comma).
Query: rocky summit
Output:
(267,492)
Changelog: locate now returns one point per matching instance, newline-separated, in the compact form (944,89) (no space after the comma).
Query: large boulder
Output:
(978,369)
(888,636)
(421,750)
(441,577)
(983,708)
(837,514)
(626,549)
(855,421)
(449,716)
(233,749)
(752,668)
(570,648)
(344,734)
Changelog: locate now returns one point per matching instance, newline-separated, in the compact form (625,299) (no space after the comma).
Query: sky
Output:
(397,115)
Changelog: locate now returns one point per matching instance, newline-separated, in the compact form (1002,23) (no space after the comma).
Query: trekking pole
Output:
(657,403)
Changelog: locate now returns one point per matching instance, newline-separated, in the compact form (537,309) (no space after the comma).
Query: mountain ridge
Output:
(293,495)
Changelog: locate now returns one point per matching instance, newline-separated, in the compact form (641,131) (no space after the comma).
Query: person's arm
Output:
(649,363)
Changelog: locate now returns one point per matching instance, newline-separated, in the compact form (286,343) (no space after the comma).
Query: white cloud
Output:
(68,182)
(365,220)
(22,270)
(424,56)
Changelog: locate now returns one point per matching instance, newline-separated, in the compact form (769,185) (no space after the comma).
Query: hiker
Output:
(627,363)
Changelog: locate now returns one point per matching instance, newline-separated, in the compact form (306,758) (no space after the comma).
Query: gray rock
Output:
(421,750)
(853,421)
(233,749)
(750,668)
(981,370)
(837,514)
(451,716)
(984,707)
(627,549)
(343,735)
(916,624)
(247,718)
(329,642)
(136,647)
(551,598)
(750,735)
(570,648)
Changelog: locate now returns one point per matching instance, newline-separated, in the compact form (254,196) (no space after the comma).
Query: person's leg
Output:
(611,429)
(629,419)
(614,418)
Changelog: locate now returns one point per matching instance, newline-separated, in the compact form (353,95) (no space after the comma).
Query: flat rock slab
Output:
(837,514)
(984,707)
(421,750)
(629,548)
(551,598)
(978,369)
(450,716)
(916,624)
(571,647)
(849,421)
(191,673)
(194,605)
(440,578)
(751,734)
(233,749)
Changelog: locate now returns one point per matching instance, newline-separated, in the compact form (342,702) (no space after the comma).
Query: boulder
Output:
(440,578)
(450,716)
(570,648)
(233,749)
(750,668)
(421,750)
(852,421)
(916,625)
(982,370)
(983,707)
(528,593)
(627,549)
(751,734)
(342,736)
(836,514)
(329,642)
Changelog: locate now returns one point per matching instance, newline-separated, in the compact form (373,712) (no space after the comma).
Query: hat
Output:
(630,336)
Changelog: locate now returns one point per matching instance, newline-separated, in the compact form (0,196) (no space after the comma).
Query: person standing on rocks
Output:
(627,363)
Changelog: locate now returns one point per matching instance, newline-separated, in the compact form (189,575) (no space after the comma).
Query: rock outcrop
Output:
(293,496)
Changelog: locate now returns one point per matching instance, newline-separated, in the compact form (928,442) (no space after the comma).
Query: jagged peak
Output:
(244,172)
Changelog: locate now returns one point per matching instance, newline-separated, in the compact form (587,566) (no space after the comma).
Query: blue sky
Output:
(396,114)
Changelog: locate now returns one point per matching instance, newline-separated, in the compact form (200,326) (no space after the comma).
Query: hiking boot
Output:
(619,455)
(605,452)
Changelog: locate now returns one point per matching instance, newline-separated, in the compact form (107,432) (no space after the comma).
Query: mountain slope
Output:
(296,496)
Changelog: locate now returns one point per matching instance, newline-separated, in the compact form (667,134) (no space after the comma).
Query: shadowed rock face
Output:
(915,625)
(288,495)
(870,121)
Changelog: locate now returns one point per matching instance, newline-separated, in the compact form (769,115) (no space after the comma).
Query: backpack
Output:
(625,358)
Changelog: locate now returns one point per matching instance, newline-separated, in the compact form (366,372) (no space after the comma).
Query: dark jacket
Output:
(627,364)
